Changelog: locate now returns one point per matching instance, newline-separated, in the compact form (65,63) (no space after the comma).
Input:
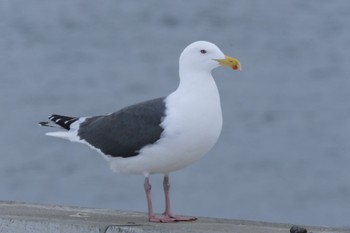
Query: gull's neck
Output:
(197,81)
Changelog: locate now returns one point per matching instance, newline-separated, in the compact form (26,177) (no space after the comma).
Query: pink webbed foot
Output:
(182,218)
(162,219)
(169,219)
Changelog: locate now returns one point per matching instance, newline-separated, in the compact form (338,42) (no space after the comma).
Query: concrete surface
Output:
(21,217)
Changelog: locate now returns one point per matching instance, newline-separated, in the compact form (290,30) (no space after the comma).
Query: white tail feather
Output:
(68,135)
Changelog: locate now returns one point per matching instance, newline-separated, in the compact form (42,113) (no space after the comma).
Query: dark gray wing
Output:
(125,132)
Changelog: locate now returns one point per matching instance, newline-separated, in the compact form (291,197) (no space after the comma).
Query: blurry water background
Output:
(283,155)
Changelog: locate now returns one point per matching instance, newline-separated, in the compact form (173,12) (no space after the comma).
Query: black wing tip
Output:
(63,121)
(54,117)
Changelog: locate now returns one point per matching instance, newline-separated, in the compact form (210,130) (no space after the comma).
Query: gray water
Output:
(283,155)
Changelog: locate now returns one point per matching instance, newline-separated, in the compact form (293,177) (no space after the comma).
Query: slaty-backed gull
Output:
(160,135)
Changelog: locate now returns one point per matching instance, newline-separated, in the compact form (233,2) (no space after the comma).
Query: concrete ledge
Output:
(29,218)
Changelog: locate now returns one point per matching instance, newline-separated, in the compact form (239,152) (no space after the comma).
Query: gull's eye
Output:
(203,51)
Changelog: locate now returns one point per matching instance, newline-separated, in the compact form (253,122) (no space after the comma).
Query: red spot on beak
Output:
(235,67)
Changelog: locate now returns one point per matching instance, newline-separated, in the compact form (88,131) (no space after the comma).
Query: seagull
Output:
(161,135)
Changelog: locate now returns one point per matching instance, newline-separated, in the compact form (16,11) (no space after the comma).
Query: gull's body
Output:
(186,137)
(162,135)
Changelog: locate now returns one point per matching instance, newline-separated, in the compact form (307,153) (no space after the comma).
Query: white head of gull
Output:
(160,135)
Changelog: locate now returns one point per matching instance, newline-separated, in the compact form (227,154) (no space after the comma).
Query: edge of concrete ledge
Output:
(33,218)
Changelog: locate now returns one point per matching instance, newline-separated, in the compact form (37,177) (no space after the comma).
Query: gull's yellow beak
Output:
(230,62)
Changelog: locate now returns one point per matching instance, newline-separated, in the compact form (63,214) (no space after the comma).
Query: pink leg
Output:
(167,213)
(148,188)
(166,187)
(151,216)
(167,216)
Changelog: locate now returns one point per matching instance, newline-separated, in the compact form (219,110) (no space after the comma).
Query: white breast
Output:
(192,126)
